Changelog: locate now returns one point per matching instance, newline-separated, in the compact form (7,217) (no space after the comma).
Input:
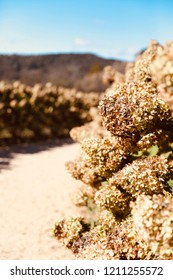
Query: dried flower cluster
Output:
(153,222)
(42,111)
(126,166)
(161,69)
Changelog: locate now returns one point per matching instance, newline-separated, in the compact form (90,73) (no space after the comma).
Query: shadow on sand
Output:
(7,153)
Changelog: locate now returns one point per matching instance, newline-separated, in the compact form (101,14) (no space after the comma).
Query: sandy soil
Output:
(35,192)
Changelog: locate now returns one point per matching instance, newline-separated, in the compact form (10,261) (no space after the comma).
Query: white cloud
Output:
(128,53)
(81,42)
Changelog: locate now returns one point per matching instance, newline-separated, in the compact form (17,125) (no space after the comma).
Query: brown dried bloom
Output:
(84,196)
(143,176)
(69,230)
(114,200)
(107,154)
(99,159)
(133,110)
(80,169)
(92,244)
(162,65)
(115,242)
(160,59)
(125,246)
(91,129)
(111,75)
(153,220)
(162,138)
(129,72)
(162,72)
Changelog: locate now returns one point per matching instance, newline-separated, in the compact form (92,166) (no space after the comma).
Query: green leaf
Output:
(170,184)
(153,150)
(166,155)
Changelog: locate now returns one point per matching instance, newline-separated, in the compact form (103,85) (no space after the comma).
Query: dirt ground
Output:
(35,192)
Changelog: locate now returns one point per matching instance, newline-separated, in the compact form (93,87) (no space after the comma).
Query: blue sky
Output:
(109,28)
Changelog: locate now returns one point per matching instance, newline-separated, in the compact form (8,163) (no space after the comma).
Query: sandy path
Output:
(34,194)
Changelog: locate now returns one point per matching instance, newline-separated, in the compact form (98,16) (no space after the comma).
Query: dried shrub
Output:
(126,165)
(42,112)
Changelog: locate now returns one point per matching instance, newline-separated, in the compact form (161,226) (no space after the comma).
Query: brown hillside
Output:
(82,71)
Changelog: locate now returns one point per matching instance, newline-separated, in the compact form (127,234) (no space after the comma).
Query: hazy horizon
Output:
(61,53)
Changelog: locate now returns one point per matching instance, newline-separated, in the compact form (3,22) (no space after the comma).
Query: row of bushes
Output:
(40,112)
(126,167)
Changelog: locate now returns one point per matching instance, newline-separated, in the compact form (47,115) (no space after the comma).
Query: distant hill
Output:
(82,71)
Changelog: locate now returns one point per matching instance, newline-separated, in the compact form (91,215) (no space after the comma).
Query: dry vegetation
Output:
(41,112)
(126,166)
